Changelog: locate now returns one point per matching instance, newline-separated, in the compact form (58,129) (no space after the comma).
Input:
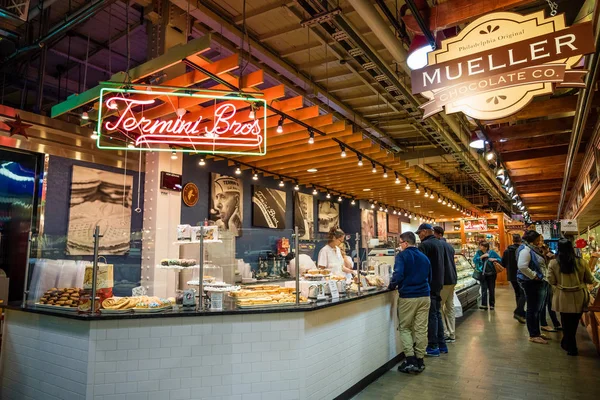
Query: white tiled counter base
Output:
(312,355)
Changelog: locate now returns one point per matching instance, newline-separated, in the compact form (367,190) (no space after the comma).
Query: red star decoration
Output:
(17,127)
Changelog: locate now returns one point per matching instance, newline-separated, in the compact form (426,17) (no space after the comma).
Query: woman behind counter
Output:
(568,276)
(484,262)
(331,257)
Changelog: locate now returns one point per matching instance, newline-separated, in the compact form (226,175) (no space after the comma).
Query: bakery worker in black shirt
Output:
(434,250)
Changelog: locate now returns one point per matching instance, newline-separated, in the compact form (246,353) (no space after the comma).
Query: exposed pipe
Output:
(41,6)
(79,16)
(422,23)
(584,104)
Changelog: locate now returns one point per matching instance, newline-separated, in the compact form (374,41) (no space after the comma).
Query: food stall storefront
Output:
(191,269)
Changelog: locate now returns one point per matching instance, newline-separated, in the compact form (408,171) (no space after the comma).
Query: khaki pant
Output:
(448,313)
(412,321)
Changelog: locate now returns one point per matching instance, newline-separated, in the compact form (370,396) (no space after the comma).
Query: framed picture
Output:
(393,224)
(226,205)
(476,225)
(367,224)
(268,207)
(304,215)
(329,215)
(99,198)
(382,228)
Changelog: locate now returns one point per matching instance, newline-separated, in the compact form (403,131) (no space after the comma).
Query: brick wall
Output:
(313,355)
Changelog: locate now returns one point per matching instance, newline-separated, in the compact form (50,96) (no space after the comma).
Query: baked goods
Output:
(338,278)
(63,297)
(137,302)
(375,280)
(185,262)
(279,299)
(261,291)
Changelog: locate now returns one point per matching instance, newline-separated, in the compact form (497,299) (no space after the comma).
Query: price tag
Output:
(334,290)
(138,291)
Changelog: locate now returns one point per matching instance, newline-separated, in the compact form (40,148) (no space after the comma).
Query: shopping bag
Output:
(458,312)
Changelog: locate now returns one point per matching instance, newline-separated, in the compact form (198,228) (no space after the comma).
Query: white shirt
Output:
(331,257)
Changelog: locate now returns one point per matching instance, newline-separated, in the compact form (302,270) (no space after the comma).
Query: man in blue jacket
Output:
(412,272)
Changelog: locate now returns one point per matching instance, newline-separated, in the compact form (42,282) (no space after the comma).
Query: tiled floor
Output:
(492,359)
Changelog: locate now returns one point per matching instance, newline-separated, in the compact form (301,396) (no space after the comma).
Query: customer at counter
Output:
(434,251)
(412,271)
(331,257)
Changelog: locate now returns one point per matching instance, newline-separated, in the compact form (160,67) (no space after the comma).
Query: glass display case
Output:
(464,272)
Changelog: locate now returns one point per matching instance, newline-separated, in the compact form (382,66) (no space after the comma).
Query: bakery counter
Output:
(316,351)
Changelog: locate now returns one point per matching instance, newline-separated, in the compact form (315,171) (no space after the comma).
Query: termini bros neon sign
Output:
(217,128)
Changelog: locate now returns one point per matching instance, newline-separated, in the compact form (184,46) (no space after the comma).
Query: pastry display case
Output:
(467,288)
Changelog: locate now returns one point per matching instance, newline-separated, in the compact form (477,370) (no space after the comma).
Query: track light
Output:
(251,114)
(173,155)
(85,116)
(374,170)
(180,112)
(490,156)
(202,163)
(255,176)
(385,174)
(380,208)
(280,125)
(397,178)
(407,187)
(311,137)
(417,191)
(454,206)
(353,202)
(343,149)
(510,190)
(130,146)
(372,205)
(449,204)
(360,162)
(238,171)
(395,212)
(426,193)
(386,209)
(405,214)
(281,183)
(431,196)
(476,143)
(296,187)
(328,195)
(94,135)
(315,192)
(500,172)
(439,199)
(340,199)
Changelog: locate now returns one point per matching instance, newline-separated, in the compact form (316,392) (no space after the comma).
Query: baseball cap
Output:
(423,227)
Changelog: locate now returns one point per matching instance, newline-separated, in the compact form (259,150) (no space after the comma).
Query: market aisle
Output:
(492,359)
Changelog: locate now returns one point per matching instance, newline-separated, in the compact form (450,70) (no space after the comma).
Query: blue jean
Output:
(547,304)
(435,331)
(535,293)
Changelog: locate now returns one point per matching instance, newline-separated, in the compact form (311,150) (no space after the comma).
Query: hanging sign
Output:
(160,120)
(500,62)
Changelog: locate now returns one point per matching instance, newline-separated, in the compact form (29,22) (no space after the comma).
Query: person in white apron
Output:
(331,257)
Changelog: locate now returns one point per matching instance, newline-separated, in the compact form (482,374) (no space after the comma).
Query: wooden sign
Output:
(500,62)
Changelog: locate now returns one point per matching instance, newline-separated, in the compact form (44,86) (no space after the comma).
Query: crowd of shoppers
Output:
(425,278)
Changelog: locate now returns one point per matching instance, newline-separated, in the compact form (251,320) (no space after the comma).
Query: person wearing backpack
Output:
(484,262)
(509,261)
(568,276)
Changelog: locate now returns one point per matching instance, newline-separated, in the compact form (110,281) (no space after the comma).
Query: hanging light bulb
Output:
(426,193)
(417,191)
(353,202)
(340,199)
(281,183)
(431,196)
(374,170)
(315,192)
(385,174)
(444,202)
(85,116)
(439,199)
(360,162)
(405,214)
(397,182)
(407,186)
(202,163)
(500,171)
(311,137)
(395,212)
(180,112)
(238,171)
(280,125)
(454,206)
(328,195)
(386,209)
(449,204)
(490,156)
(173,155)
(297,187)
(251,114)
(380,208)
(476,142)
(94,135)
(255,176)
(343,149)
(372,205)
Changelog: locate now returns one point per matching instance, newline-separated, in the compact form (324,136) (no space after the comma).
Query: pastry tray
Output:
(151,310)
(56,308)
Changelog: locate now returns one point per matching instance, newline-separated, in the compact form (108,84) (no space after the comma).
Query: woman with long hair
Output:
(331,257)
(531,275)
(484,262)
(568,276)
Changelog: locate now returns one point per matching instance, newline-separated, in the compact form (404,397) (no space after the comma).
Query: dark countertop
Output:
(229,308)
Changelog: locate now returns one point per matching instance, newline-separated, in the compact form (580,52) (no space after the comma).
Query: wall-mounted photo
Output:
(329,215)
(99,198)
(382,225)
(367,224)
(268,207)
(393,224)
(226,206)
(304,215)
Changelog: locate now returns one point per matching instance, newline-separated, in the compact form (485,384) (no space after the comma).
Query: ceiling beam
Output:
(531,129)
(541,156)
(563,106)
(257,11)
(279,32)
(532,143)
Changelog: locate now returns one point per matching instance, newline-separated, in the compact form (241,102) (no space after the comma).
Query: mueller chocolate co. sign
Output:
(500,62)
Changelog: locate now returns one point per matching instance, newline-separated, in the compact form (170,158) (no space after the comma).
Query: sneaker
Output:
(431,352)
(449,340)
(420,365)
(483,307)
(443,349)
(548,329)
(538,340)
(408,366)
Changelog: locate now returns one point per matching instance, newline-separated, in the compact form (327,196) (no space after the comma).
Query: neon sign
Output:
(214,124)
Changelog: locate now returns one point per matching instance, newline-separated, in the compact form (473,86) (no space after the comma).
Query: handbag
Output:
(499,268)
(477,275)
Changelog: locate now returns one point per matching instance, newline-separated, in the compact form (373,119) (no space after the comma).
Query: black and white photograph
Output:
(268,207)
(329,215)
(99,198)
(367,223)
(304,215)
(382,228)
(226,207)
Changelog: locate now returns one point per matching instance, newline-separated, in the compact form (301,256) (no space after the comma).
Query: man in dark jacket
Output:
(434,250)
(509,261)
(412,271)
(447,294)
